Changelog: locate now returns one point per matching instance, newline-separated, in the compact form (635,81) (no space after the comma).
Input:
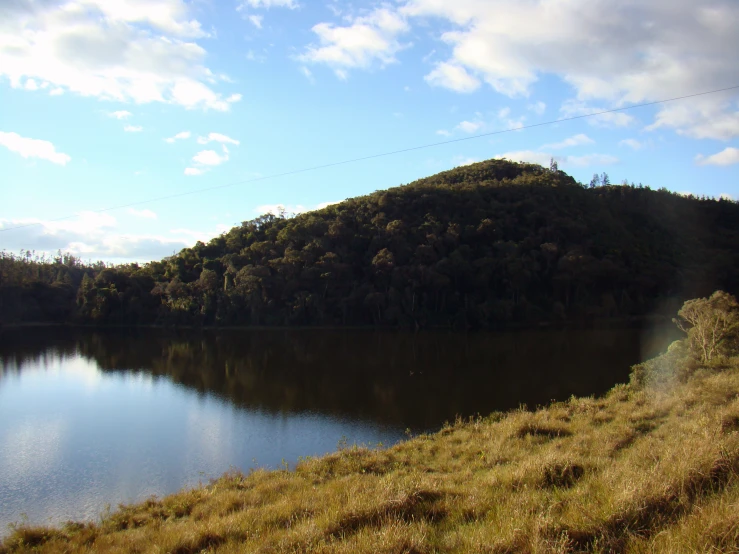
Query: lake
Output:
(91,419)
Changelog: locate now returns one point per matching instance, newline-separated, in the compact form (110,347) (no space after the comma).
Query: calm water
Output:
(90,419)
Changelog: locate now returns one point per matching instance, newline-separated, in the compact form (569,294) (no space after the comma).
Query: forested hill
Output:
(486,245)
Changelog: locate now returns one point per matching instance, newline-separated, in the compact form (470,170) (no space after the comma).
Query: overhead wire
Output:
(374,156)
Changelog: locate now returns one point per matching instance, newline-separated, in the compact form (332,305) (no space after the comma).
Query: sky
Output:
(130,129)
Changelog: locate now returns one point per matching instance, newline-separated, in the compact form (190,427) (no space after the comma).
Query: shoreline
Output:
(605,323)
(652,465)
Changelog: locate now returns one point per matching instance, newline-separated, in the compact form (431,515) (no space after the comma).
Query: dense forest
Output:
(488,245)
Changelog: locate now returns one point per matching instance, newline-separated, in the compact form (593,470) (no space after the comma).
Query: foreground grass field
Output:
(651,467)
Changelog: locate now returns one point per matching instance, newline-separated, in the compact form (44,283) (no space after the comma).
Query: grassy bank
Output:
(651,467)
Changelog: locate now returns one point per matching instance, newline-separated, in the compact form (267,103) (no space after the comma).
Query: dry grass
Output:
(652,467)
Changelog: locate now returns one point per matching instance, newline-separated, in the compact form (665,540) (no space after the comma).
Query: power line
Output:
(381,155)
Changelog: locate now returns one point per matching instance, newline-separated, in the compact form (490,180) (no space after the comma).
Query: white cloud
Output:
(291,4)
(128,51)
(30,85)
(538,108)
(236,97)
(133,128)
(209,157)
(576,140)
(146,214)
(576,108)
(452,76)
(33,148)
(632,143)
(190,236)
(590,160)
(611,53)
(728,156)
(256,20)
(509,122)
(528,156)
(217,137)
(120,114)
(290,209)
(307,73)
(701,118)
(56,91)
(92,236)
(516,123)
(192,94)
(469,126)
(443,133)
(254,57)
(726,196)
(179,136)
(365,41)
(543,158)
(460,161)
(206,159)
(500,120)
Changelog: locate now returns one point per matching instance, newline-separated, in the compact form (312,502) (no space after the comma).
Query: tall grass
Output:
(651,467)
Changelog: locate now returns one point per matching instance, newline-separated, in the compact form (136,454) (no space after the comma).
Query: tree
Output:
(710,323)
(595,181)
(604,179)
(553,166)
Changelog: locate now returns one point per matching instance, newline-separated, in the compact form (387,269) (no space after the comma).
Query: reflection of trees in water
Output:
(21,348)
(416,380)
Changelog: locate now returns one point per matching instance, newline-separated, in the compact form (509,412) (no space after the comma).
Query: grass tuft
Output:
(547,431)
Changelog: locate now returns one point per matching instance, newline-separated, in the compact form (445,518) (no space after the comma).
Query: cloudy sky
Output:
(107,103)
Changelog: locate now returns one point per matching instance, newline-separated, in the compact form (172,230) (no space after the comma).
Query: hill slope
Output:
(490,244)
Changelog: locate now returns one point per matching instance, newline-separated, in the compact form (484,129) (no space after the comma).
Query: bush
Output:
(711,325)
(674,366)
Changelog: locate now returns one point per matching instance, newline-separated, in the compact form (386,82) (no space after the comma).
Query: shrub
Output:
(711,325)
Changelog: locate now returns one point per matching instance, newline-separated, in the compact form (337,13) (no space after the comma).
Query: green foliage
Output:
(40,288)
(711,325)
(488,245)
(665,371)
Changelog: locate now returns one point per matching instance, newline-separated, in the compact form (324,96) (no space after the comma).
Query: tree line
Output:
(488,245)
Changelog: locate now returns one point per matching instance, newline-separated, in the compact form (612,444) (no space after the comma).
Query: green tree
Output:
(710,323)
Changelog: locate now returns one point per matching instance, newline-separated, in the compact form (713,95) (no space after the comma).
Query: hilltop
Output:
(491,244)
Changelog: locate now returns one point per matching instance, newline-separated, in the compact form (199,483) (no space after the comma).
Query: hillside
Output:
(492,244)
(653,466)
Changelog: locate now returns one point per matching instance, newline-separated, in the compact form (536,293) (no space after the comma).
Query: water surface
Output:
(93,419)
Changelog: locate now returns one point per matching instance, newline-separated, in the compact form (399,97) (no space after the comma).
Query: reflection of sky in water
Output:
(74,439)
(30,449)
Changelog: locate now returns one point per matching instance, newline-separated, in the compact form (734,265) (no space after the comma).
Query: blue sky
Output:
(105,103)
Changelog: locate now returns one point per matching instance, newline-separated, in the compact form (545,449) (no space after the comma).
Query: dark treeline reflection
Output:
(415,380)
